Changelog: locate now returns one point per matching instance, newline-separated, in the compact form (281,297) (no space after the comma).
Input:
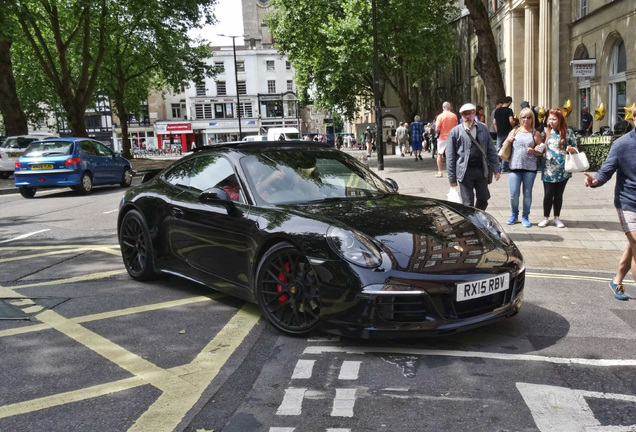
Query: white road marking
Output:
(281,429)
(343,403)
(111,211)
(469,354)
(292,402)
(349,370)
(303,369)
(23,236)
(338,430)
(566,410)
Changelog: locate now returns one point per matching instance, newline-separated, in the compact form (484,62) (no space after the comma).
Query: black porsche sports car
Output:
(319,241)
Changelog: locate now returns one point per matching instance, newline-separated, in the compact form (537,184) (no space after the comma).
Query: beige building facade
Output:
(552,51)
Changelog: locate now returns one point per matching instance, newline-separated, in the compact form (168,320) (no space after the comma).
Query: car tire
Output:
(5,174)
(27,192)
(287,290)
(128,178)
(86,184)
(136,246)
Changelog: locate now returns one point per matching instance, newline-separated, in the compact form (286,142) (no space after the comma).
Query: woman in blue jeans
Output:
(523,165)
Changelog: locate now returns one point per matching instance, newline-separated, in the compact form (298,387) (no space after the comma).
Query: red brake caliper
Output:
(281,276)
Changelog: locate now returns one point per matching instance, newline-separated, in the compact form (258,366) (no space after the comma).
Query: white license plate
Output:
(483,287)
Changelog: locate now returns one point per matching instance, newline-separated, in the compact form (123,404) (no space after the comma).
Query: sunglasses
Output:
(526,118)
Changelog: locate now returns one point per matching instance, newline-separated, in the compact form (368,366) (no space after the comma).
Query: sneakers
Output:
(618,290)
(439,174)
(544,222)
(558,223)
(420,156)
(512,220)
(402,154)
(525,222)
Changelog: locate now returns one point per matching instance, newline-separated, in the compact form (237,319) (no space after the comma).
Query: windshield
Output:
(17,142)
(302,175)
(48,148)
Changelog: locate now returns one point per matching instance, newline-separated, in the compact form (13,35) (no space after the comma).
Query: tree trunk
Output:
(14,119)
(486,62)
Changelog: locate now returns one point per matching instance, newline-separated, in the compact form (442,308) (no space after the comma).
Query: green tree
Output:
(145,53)
(330,46)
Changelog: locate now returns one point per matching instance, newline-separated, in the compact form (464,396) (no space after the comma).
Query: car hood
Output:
(421,234)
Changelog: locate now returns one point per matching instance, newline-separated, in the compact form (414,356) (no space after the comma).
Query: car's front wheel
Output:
(128,178)
(86,184)
(287,290)
(27,192)
(136,246)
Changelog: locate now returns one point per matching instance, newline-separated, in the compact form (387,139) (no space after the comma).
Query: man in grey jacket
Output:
(470,152)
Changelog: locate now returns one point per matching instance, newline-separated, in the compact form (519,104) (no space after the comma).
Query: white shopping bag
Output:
(453,195)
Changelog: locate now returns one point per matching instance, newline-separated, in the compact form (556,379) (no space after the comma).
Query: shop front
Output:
(175,135)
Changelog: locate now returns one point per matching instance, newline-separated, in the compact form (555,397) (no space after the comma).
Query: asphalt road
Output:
(94,350)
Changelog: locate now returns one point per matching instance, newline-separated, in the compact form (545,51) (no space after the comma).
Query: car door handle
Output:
(178,213)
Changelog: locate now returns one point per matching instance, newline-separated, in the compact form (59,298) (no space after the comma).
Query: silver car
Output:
(13,147)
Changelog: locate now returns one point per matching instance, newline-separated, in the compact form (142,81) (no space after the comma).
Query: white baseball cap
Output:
(467,107)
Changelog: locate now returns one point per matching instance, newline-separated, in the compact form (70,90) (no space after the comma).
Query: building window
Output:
(240,66)
(245,109)
(287,66)
(290,85)
(220,88)
(290,109)
(203,111)
(242,87)
(271,86)
(499,44)
(200,89)
(270,65)
(219,66)
(272,109)
(223,110)
(617,84)
(176,110)
(582,8)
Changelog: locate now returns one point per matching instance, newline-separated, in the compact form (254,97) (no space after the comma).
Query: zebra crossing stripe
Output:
(292,402)
(303,369)
(349,370)
(343,403)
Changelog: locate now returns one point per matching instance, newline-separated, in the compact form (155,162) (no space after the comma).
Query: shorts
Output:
(627,219)
(441,146)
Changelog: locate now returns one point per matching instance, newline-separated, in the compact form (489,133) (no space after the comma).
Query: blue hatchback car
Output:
(78,163)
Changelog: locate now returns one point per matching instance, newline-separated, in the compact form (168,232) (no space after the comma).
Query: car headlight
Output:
(354,247)
(485,221)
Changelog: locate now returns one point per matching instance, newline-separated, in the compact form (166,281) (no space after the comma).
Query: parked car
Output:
(320,242)
(78,163)
(12,148)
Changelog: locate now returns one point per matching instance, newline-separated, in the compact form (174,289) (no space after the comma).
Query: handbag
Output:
(505,152)
(576,162)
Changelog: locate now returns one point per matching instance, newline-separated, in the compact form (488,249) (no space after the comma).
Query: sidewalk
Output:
(591,240)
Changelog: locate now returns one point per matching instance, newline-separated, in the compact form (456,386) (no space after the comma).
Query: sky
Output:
(230,22)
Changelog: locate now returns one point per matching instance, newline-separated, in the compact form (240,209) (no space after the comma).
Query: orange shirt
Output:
(446,121)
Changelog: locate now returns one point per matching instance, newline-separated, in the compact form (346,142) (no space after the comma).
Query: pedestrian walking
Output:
(559,141)
(416,130)
(368,140)
(444,123)
(401,136)
(504,122)
(621,161)
(470,156)
(525,141)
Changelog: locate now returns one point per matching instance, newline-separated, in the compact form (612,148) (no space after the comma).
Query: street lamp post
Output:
(238,97)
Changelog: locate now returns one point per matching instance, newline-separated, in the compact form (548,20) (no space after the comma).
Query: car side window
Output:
(102,150)
(88,148)
(179,175)
(213,171)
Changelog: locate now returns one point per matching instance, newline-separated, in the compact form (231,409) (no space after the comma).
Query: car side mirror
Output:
(392,184)
(214,195)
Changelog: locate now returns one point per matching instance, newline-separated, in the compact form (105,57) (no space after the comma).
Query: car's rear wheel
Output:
(128,177)
(287,290)
(136,246)
(86,184)
(27,192)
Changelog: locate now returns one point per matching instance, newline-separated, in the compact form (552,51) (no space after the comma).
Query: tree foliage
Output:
(330,45)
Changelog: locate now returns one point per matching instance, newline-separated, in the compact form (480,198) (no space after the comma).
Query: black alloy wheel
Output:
(128,178)
(86,184)
(287,290)
(27,192)
(136,246)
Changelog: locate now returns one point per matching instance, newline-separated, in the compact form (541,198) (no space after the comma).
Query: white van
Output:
(255,138)
(285,134)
